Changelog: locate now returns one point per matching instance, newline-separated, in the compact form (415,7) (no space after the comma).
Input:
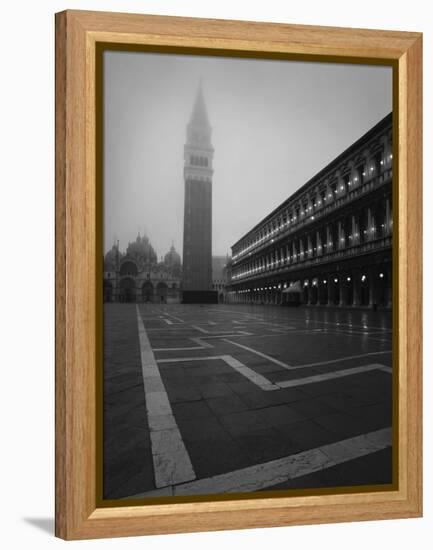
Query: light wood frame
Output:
(77,265)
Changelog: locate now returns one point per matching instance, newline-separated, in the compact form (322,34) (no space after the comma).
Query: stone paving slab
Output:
(228,422)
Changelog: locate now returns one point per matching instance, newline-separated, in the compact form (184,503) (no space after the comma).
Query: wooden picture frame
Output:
(78,296)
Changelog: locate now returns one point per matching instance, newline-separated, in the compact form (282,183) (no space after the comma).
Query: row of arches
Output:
(128,291)
(371,224)
(199,161)
(362,287)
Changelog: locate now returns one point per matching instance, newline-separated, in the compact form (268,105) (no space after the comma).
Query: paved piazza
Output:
(237,398)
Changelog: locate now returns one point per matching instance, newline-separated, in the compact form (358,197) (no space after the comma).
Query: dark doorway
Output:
(161,293)
(108,291)
(147,291)
(127,290)
(365,291)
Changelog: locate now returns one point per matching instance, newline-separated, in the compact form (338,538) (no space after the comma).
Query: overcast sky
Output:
(275,124)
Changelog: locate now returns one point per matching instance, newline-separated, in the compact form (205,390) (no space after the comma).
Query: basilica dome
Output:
(172,257)
(142,251)
(172,261)
(111,259)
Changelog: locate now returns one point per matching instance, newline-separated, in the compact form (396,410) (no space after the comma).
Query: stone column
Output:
(341,243)
(323,290)
(355,231)
(372,294)
(309,293)
(388,218)
(356,280)
(329,194)
(337,289)
(344,289)
(388,287)
(309,247)
(331,290)
(341,191)
(370,224)
(329,243)
(319,249)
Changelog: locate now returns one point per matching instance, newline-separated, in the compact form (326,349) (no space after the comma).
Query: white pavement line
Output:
(213,336)
(200,329)
(183,359)
(278,325)
(293,367)
(386,369)
(219,333)
(332,361)
(254,377)
(171,461)
(174,317)
(168,321)
(166,330)
(274,333)
(201,344)
(251,315)
(186,348)
(359,334)
(205,331)
(260,354)
(327,376)
(268,474)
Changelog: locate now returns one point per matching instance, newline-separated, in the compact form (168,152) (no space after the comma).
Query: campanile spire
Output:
(198,172)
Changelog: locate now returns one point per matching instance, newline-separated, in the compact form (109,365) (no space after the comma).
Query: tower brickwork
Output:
(198,171)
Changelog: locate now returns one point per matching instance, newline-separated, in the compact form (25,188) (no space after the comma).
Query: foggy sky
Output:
(275,124)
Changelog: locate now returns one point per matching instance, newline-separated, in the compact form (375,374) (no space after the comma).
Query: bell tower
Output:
(197,233)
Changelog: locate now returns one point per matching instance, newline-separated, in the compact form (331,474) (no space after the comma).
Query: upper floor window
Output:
(334,188)
(346,182)
(379,161)
(361,172)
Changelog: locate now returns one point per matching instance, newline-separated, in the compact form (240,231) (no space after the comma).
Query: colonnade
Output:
(348,231)
(369,286)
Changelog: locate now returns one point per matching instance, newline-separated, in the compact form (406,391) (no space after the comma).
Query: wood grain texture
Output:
(412,181)
(77,33)
(60,315)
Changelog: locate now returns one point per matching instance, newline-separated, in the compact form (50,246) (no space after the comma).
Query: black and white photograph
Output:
(247,276)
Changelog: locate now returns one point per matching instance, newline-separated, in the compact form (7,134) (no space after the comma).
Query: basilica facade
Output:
(330,243)
(136,275)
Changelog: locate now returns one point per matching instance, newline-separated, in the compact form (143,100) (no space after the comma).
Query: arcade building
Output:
(137,276)
(330,243)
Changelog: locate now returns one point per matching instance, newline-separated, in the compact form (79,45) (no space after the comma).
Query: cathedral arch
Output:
(161,292)
(147,292)
(127,291)
(128,268)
